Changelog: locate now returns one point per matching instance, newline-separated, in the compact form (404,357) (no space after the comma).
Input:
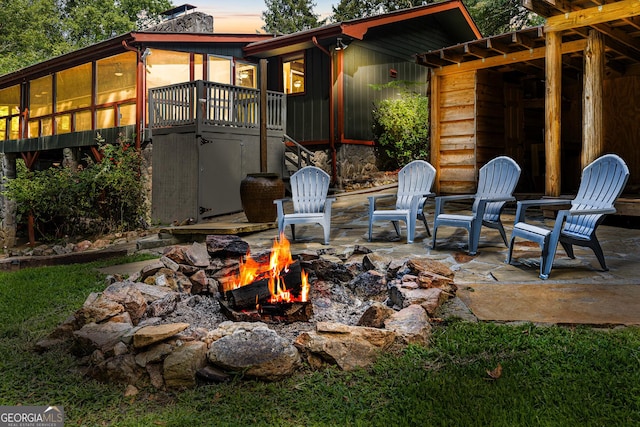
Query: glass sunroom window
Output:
(166,67)
(41,97)
(9,113)
(73,88)
(293,74)
(116,78)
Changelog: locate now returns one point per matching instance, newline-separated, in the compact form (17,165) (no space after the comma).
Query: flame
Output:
(279,262)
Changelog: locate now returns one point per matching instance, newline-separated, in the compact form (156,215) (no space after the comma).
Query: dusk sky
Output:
(245,16)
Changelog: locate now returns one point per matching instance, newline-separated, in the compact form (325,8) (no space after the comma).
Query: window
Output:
(9,112)
(73,88)
(165,67)
(293,73)
(246,75)
(116,77)
(219,69)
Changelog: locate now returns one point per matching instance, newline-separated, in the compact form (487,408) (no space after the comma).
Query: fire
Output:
(279,262)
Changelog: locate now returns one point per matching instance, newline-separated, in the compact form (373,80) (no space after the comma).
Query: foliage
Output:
(491,16)
(401,128)
(103,197)
(551,376)
(500,16)
(289,16)
(36,30)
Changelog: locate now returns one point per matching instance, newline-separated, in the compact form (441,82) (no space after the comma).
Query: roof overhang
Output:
(525,49)
(120,44)
(358,28)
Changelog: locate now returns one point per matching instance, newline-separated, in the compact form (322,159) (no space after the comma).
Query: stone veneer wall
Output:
(7,207)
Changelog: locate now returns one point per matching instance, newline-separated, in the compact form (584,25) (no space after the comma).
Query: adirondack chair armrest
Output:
(603,211)
(280,205)
(418,201)
(327,204)
(373,199)
(523,205)
(441,200)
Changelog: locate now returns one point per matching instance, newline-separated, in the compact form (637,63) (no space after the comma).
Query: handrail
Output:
(303,156)
(201,102)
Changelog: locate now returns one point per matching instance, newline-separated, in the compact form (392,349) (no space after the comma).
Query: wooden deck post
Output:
(263,116)
(553,71)
(592,127)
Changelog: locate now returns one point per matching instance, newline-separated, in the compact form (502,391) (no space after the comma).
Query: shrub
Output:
(401,129)
(105,196)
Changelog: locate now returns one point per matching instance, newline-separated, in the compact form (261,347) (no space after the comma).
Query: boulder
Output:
(411,324)
(152,334)
(181,365)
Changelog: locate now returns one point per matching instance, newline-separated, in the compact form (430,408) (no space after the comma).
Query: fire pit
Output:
(273,290)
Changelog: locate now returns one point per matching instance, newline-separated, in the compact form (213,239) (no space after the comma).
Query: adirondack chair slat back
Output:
(498,178)
(309,189)
(601,184)
(415,178)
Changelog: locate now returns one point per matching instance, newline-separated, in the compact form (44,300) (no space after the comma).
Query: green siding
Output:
(363,68)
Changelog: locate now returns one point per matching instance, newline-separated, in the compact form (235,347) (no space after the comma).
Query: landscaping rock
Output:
(411,324)
(152,334)
(180,366)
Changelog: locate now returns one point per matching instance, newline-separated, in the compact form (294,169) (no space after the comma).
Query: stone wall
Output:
(195,22)
(7,207)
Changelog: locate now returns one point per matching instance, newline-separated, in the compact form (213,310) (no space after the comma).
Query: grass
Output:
(551,376)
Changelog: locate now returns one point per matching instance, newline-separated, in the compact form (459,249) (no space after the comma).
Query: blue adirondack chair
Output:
(414,187)
(601,183)
(496,183)
(309,189)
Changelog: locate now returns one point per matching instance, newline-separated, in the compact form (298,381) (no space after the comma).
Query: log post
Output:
(592,127)
(553,72)
(263,116)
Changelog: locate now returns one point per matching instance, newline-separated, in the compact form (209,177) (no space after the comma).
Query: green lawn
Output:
(555,376)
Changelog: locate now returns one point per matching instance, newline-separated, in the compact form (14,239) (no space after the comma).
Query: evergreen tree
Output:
(289,16)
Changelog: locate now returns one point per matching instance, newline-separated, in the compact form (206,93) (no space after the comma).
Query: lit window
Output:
(246,75)
(293,74)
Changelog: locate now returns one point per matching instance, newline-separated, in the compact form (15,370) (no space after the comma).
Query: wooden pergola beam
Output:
(500,60)
(593,15)
(592,123)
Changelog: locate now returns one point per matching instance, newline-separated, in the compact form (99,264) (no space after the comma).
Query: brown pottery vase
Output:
(257,193)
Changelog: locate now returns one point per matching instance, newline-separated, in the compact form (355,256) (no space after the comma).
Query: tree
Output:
(289,16)
(36,30)
(500,16)
(354,9)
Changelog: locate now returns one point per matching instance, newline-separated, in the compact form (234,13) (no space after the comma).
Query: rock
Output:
(199,282)
(151,334)
(169,263)
(152,292)
(256,351)
(375,261)
(155,375)
(82,246)
(226,246)
(151,269)
(331,271)
(404,297)
(131,391)
(348,347)
(181,365)
(94,336)
(154,353)
(375,315)
(370,285)
(97,309)
(120,348)
(411,324)
(197,255)
(100,244)
(129,297)
(176,254)
(163,307)
(174,280)
(120,369)
(212,374)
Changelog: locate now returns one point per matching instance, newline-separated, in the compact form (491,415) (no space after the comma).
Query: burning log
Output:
(258,292)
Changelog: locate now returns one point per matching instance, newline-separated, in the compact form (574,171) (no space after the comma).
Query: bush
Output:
(103,197)
(401,129)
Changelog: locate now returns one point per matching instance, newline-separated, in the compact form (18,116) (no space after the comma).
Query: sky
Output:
(244,16)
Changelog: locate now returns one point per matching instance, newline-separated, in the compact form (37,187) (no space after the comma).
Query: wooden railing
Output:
(295,155)
(214,104)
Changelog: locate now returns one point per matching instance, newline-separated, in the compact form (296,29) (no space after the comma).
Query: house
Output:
(553,97)
(198,94)
(329,74)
